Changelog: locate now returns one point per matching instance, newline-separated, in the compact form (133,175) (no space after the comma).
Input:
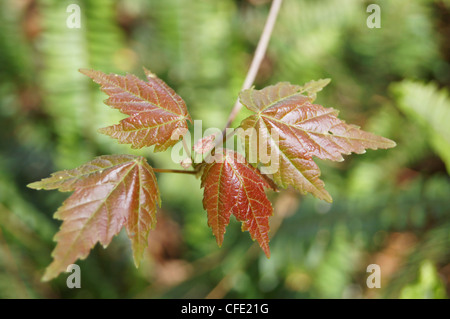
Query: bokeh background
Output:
(391,207)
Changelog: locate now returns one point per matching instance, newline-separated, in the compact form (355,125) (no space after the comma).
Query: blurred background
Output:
(391,207)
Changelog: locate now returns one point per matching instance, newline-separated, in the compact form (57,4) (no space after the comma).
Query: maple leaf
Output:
(155,110)
(233,186)
(110,192)
(205,144)
(293,130)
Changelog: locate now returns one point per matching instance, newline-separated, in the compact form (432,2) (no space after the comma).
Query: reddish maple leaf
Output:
(293,130)
(110,192)
(155,110)
(233,186)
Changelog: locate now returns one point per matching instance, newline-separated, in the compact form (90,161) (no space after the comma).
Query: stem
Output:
(257,58)
(186,148)
(188,151)
(178,171)
(260,51)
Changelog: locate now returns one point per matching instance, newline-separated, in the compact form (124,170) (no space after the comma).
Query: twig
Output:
(186,147)
(254,67)
(257,58)
(178,171)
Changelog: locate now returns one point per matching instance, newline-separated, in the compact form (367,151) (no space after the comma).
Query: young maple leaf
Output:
(302,130)
(110,192)
(205,144)
(233,186)
(155,109)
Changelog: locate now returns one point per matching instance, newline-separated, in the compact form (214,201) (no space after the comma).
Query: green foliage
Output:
(430,109)
(428,285)
(67,96)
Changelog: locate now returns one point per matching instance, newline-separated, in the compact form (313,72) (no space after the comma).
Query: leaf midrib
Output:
(309,132)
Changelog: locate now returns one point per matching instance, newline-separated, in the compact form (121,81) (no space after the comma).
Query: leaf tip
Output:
(148,73)
(391,143)
(137,261)
(49,274)
(266,250)
(85,71)
(219,239)
(385,143)
(104,130)
(325,196)
(35,185)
